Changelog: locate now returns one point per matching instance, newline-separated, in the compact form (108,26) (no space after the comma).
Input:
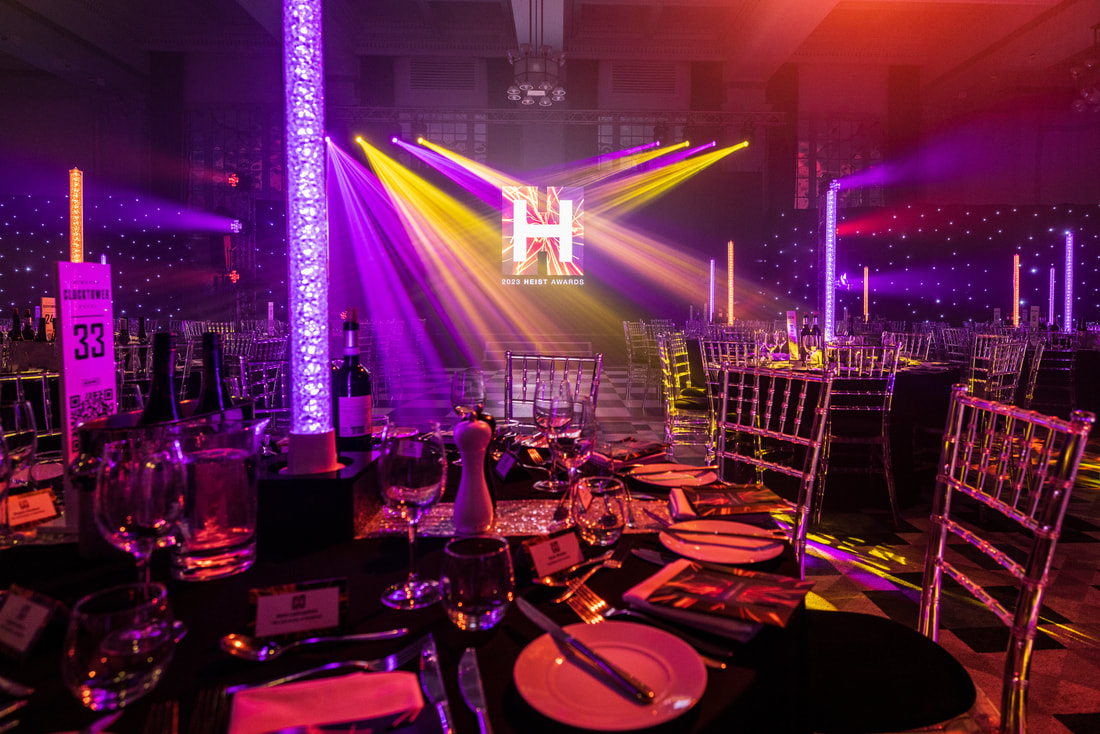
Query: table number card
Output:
(86,338)
(292,609)
(554,552)
(23,616)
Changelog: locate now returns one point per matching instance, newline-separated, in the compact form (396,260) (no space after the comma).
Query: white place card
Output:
(296,608)
(23,616)
(31,507)
(554,552)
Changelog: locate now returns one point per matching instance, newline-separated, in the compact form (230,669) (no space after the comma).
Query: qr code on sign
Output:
(91,405)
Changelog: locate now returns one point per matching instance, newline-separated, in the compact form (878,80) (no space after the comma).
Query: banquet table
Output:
(754,693)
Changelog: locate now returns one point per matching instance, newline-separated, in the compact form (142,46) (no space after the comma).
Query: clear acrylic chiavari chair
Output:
(1003,487)
(859,417)
(771,430)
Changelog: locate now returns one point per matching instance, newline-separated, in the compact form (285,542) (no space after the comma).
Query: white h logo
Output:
(522,230)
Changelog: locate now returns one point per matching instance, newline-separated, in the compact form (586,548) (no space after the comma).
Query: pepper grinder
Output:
(473,511)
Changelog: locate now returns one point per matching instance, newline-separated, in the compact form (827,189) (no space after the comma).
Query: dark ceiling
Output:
(962,49)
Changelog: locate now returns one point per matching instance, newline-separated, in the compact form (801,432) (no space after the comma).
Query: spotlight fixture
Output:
(536,67)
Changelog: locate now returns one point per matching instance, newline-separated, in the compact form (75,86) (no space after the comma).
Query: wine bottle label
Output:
(354,416)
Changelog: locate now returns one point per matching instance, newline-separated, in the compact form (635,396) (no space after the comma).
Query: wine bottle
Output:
(351,393)
(815,333)
(124,331)
(41,335)
(28,327)
(15,334)
(161,407)
(804,336)
(143,337)
(214,396)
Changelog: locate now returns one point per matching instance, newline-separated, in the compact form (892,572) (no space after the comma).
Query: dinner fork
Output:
(598,606)
(590,616)
(211,712)
(615,561)
(393,661)
(163,718)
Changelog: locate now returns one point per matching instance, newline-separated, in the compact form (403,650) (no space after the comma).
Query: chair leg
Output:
(889,469)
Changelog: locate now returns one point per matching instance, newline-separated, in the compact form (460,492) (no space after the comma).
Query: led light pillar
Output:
(1016,291)
(76,216)
(729,285)
(866,294)
(312,446)
(1050,300)
(1068,320)
(710,303)
(827,280)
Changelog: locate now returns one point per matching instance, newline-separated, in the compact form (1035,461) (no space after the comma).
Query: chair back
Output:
(774,421)
(995,369)
(523,372)
(1002,466)
(912,345)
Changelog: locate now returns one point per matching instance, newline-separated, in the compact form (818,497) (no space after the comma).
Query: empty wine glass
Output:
(467,391)
(572,446)
(412,472)
(118,644)
(139,495)
(552,410)
(20,438)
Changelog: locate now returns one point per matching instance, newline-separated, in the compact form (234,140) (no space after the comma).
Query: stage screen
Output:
(542,235)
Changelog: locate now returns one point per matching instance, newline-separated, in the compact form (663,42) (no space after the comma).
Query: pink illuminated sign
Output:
(543,231)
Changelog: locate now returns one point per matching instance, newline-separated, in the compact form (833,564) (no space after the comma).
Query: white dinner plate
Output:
(718,548)
(567,691)
(673,475)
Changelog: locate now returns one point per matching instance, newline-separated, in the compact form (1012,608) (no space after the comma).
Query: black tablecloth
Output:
(754,694)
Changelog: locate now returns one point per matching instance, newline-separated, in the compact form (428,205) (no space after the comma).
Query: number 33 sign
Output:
(87,346)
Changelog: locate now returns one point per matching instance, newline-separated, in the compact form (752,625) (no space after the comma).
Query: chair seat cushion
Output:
(689,402)
(691,391)
(872,674)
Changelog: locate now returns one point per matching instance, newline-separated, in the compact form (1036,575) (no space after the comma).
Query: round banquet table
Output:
(755,693)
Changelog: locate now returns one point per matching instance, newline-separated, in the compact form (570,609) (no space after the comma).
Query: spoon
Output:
(255,649)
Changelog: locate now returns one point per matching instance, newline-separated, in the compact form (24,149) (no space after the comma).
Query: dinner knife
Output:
(431,681)
(630,685)
(473,692)
(12,688)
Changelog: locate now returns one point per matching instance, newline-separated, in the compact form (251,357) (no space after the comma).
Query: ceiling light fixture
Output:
(536,66)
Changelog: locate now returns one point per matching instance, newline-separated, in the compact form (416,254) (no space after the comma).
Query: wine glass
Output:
(467,394)
(552,410)
(139,495)
(572,446)
(118,643)
(412,471)
(20,439)
(467,391)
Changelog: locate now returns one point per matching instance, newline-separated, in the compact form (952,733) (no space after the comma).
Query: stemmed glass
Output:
(139,495)
(412,472)
(18,443)
(20,438)
(572,446)
(467,394)
(553,410)
(467,391)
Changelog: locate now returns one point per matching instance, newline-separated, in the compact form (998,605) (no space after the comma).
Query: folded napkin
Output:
(630,451)
(728,602)
(381,701)
(687,503)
